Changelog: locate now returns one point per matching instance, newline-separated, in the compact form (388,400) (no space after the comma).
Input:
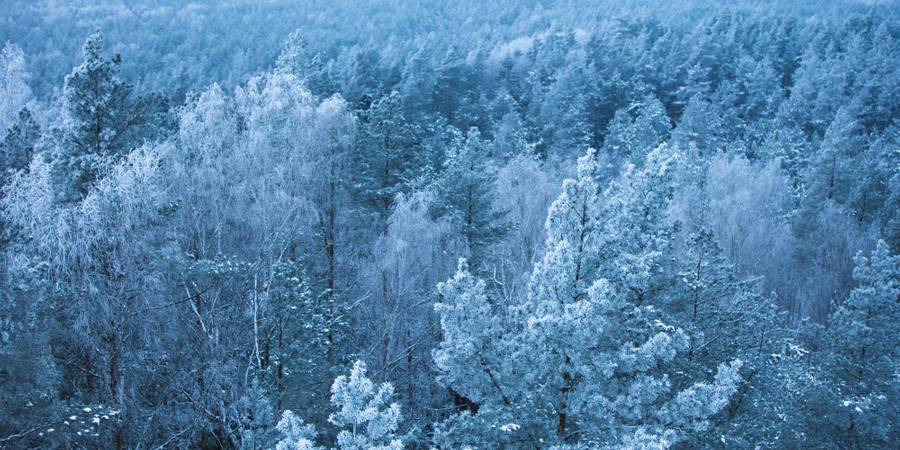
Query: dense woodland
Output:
(405,224)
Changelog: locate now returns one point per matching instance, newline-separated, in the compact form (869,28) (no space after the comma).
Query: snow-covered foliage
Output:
(556,224)
(295,434)
(362,414)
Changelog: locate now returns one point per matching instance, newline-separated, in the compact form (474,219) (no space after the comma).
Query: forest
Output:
(406,224)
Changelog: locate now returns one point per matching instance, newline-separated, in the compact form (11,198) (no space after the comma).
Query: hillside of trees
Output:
(397,224)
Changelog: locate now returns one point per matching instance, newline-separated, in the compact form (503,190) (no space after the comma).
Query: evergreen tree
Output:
(173,290)
(466,193)
(790,146)
(257,421)
(300,332)
(869,195)
(385,154)
(863,331)
(17,148)
(590,353)
(831,170)
(468,354)
(293,58)
(102,121)
(451,88)
(295,435)
(314,69)
(96,117)
(629,139)
(730,318)
(701,125)
(510,137)
(564,111)
(363,414)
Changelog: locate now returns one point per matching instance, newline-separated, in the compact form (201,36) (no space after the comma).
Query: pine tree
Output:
(589,358)
(629,139)
(730,318)
(869,195)
(17,148)
(652,127)
(363,415)
(468,354)
(366,420)
(563,113)
(510,137)
(30,378)
(702,125)
(636,235)
(759,91)
(295,435)
(789,145)
(466,193)
(384,154)
(102,121)
(831,173)
(863,331)
(592,310)
(299,333)
(96,120)
(314,69)
(451,88)
(293,58)
(473,363)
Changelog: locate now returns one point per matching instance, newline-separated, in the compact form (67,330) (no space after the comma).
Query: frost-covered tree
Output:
(363,415)
(293,58)
(524,189)
(465,189)
(863,331)
(105,255)
(310,138)
(833,165)
(17,148)
(296,337)
(255,182)
(759,92)
(636,234)
(257,418)
(451,87)
(96,118)
(366,419)
(313,68)
(730,317)
(194,278)
(604,282)
(469,352)
(472,363)
(870,196)
(701,125)
(295,434)
(29,375)
(635,131)
(384,154)
(408,260)
(590,354)
(101,121)
(14,89)
(510,137)
(563,111)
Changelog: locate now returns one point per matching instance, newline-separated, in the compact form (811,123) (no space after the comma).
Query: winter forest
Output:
(406,224)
